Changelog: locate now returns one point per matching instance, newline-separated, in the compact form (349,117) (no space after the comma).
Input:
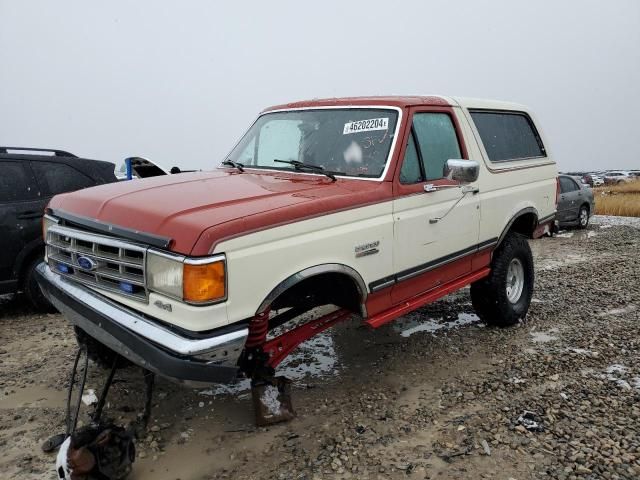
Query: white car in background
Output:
(618,177)
(597,180)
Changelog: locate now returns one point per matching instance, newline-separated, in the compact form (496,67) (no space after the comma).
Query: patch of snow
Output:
(270,400)
(90,397)
(615,372)
(408,326)
(584,351)
(553,264)
(314,358)
(611,220)
(618,311)
(622,383)
(544,337)
(616,368)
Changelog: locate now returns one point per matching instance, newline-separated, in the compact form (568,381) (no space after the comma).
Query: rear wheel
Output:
(583,217)
(503,298)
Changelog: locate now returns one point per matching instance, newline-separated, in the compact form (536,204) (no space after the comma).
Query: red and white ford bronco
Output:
(375,205)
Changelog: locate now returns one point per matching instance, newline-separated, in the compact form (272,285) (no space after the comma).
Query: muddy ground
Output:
(433,395)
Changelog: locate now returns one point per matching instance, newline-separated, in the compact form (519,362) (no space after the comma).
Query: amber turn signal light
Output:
(203,283)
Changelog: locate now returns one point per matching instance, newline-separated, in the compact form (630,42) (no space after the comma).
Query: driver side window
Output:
(432,142)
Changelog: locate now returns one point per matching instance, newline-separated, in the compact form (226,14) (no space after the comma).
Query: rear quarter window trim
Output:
(531,123)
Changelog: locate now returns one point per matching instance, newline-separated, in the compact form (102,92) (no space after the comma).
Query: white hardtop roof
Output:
(471,103)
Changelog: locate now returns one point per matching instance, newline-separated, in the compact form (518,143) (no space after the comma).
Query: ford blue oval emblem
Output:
(87,263)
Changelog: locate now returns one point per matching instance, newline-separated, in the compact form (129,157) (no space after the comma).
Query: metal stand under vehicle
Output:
(272,394)
(100,450)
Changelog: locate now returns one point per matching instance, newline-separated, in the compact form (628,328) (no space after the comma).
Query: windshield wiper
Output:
(231,163)
(301,165)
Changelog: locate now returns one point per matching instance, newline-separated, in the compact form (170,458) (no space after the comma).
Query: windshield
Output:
(352,142)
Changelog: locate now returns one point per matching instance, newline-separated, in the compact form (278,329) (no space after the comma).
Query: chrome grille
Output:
(98,261)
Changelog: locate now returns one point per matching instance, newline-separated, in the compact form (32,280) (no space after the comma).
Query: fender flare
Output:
(312,272)
(515,217)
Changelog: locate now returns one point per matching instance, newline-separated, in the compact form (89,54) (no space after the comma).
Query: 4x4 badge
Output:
(163,306)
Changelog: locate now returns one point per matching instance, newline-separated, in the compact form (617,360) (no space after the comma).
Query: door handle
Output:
(29,214)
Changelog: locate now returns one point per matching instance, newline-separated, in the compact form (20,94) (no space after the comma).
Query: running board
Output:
(420,300)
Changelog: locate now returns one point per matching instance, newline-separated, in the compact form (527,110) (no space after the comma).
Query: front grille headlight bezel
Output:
(47,222)
(132,269)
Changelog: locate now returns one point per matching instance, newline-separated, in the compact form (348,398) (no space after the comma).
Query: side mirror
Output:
(463,171)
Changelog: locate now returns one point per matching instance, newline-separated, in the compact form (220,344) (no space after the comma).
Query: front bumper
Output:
(202,359)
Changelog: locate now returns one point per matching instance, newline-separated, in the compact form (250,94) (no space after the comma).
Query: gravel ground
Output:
(433,395)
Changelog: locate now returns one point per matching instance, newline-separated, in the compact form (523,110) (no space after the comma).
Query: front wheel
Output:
(503,298)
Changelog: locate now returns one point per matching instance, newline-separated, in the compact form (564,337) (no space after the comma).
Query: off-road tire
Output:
(584,225)
(32,289)
(101,355)
(489,295)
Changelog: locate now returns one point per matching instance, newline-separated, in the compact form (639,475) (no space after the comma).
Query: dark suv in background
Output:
(29,177)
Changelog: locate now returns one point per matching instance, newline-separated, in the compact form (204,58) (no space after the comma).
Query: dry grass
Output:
(623,200)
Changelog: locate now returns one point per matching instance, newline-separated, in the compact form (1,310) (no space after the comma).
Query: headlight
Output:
(197,281)
(164,273)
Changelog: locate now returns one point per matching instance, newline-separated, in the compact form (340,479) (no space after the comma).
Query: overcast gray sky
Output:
(179,82)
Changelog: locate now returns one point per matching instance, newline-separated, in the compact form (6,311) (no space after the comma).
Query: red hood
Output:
(220,203)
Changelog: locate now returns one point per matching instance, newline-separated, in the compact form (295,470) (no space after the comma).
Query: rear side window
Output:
(57,178)
(568,185)
(15,184)
(508,135)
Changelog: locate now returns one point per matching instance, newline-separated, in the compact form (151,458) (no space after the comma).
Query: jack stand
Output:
(52,443)
(143,421)
(272,400)
(101,449)
(272,394)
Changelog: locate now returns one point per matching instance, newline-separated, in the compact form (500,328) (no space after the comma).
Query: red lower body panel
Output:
(425,298)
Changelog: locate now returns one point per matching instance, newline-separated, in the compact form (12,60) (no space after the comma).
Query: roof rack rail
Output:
(57,153)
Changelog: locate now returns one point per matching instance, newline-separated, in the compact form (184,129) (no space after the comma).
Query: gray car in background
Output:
(575,204)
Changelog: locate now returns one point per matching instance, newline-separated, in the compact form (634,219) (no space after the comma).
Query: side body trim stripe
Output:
(385,282)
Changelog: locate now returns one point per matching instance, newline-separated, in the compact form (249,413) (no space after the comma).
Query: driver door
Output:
(436,231)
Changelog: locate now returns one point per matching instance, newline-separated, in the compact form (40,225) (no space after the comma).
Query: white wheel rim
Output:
(515,280)
(583,217)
